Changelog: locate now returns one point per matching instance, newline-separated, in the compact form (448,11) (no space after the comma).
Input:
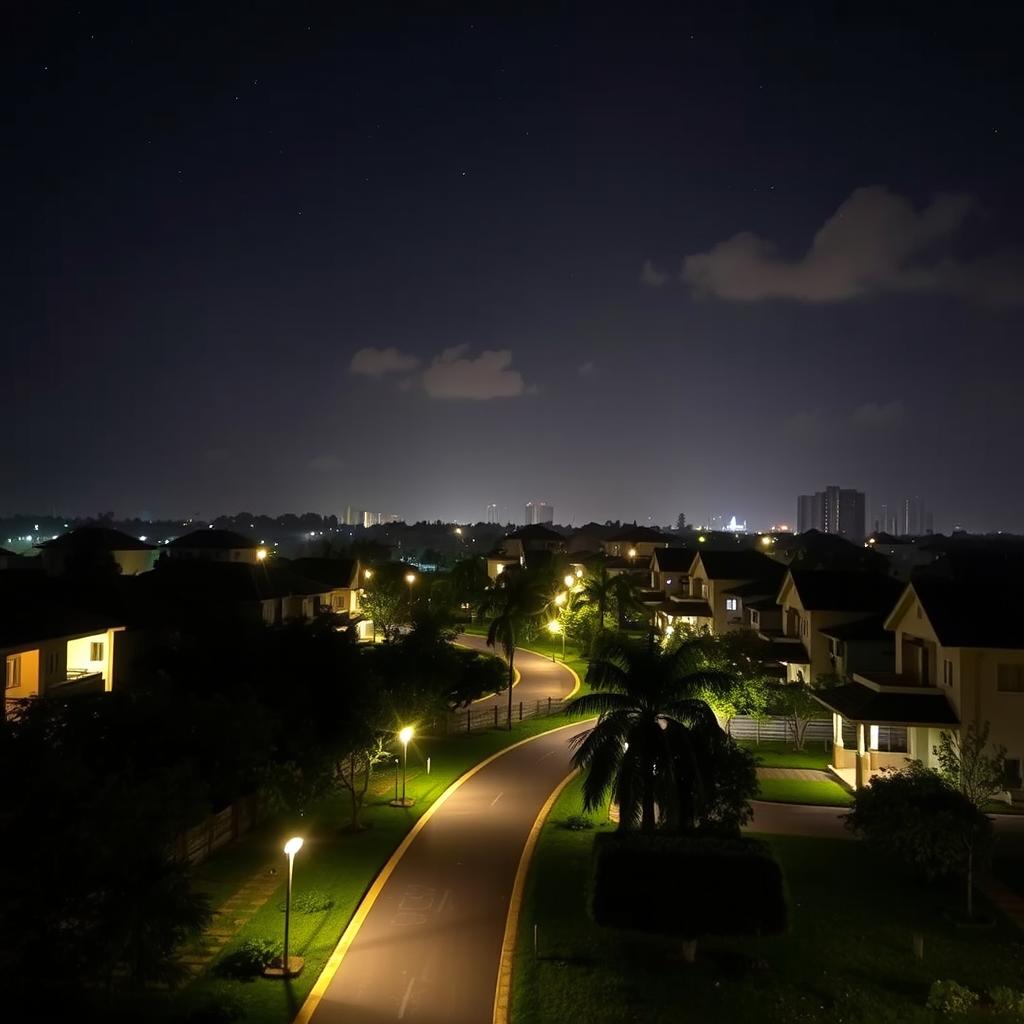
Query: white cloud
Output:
(650,275)
(375,362)
(875,242)
(874,414)
(455,374)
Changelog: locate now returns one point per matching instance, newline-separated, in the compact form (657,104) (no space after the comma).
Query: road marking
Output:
(405,998)
(497,798)
(350,933)
(547,755)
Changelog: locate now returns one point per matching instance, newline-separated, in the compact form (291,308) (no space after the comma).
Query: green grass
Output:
(776,754)
(847,957)
(799,791)
(334,861)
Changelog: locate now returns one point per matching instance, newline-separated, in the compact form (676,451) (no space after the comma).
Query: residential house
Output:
(813,602)
(527,547)
(212,545)
(91,548)
(715,576)
(959,661)
(669,568)
(637,544)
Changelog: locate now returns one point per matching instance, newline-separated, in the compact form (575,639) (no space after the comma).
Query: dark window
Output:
(892,739)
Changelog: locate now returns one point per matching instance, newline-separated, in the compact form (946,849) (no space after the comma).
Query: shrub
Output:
(578,823)
(249,959)
(311,901)
(1006,1000)
(686,886)
(950,998)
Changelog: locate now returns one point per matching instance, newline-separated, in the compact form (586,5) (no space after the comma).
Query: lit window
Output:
(13,680)
(1010,679)
(731,604)
(668,582)
(947,672)
(96,651)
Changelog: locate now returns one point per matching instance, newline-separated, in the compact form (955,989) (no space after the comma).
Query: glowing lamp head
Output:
(701,539)
(554,627)
(560,599)
(766,541)
(632,552)
(367,574)
(261,554)
(405,733)
(410,578)
(579,574)
(569,580)
(293,846)
(669,630)
(458,530)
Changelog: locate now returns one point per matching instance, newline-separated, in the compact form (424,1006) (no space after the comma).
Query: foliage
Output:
(686,886)
(354,770)
(950,998)
(1005,999)
(915,817)
(605,591)
(578,823)
(796,704)
(384,601)
(656,743)
(310,901)
(249,959)
(965,764)
(469,581)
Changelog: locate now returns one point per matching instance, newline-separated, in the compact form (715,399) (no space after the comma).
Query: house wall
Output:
(671,582)
(244,556)
(134,562)
(621,548)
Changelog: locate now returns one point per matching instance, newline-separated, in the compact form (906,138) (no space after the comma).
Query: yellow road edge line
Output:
(488,696)
(503,989)
(316,993)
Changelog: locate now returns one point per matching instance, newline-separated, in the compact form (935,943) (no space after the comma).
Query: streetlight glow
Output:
(560,599)
(410,578)
(632,552)
(261,554)
(569,580)
(554,626)
(367,574)
(405,734)
(293,846)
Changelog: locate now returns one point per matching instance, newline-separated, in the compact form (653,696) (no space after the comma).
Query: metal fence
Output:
(495,716)
(775,729)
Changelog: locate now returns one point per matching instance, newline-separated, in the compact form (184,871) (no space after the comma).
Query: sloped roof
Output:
(865,630)
(673,559)
(988,616)
(695,606)
(34,608)
(226,540)
(744,564)
(838,591)
(97,538)
(863,704)
(335,572)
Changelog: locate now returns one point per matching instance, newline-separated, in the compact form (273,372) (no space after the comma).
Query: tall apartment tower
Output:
(539,512)
(837,510)
(492,513)
(914,520)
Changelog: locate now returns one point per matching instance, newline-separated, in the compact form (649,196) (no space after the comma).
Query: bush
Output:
(949,998)
(249,959)
(1006,1000)
(578,823)
(686,886)
(312,901)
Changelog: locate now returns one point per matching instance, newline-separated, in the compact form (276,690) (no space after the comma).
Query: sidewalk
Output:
(803,774)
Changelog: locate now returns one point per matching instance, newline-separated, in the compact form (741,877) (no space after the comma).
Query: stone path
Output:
(803,774)
(229,918)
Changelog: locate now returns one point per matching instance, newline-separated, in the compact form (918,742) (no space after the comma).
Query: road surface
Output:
(428,951)
(541,677)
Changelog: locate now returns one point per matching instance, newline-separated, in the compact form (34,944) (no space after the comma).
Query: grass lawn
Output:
(847,957)
(776,754)
(799,791)
(332,861)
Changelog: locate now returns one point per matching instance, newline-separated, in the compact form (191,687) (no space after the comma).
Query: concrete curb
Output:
(503,989)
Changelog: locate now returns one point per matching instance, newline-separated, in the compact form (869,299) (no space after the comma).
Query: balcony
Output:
(77,681)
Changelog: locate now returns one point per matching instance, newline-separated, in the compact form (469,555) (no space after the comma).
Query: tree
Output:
(656,744)
(681,522)
(469,582)
(516,600)
(796,704)
(354,770)
(916,817)
(602,589)
(967,766)
(384,601)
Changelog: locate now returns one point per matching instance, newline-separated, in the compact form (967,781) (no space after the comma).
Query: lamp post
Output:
(554,626)
(404,734)
(410,579)
(287,966)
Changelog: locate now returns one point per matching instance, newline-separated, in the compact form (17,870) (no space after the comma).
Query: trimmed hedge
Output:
(686,886)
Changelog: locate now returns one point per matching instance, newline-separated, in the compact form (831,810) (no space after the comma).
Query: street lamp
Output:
(367,574)
(287,966)
(554,627)
(261,554)
(410,579)
(404,734)
(570,580)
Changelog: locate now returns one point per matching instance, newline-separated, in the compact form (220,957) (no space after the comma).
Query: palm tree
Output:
(517,598)
(601,587)
(655,734)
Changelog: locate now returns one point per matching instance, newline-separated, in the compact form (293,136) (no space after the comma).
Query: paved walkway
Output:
(803,774)
(229,918)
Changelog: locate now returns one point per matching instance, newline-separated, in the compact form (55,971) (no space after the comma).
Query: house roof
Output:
(97,538)
(838,591)
(755,588)
(34,608)
(535,531)
(673,559)
(762,603)
(989,616)
(695,607)
(744,564)
(334,572)
(865,705)
(639,534)
(864,630)
(226,540)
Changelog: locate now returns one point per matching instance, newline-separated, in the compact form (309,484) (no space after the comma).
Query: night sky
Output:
(275,259)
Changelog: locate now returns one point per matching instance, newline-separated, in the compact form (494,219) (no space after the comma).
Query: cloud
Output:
(326,463)
(375,362)
(873,415)
(587,369)
(455,374)
(874,242)
(650,275)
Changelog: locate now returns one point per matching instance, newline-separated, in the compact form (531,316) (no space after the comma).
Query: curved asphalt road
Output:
(540,676)
(428,951)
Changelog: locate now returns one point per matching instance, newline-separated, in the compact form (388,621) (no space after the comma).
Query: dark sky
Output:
(275,258)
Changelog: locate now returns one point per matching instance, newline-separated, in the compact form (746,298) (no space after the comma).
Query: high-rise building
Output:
(492,513)
(837,510)
(539,512)
(914,519)
(353,516)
